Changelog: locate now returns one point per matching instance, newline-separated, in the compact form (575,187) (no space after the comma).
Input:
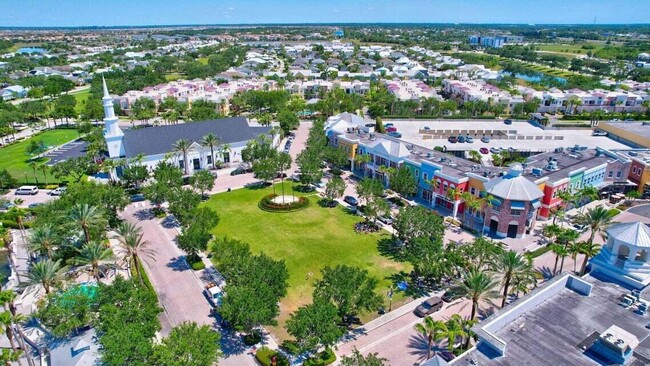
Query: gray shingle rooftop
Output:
(159,140)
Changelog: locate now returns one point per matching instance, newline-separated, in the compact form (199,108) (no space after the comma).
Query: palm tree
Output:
(34,165)
(44,240)
(7,324)
(472,205)
(132,245)
(435,185)
(182,147)
(7,357)
(455,328)
(92,254)
(47,273)
(362,160)
(432,330)
(560,251)
(45,169)
(510,264)
(590,250)
(86,217)
(475,156)
(223,150)
(454,195)
(211,140)
(574,249)
(597,219)
(477,286)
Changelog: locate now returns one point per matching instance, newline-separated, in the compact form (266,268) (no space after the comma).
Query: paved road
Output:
(179,289)
(393,337)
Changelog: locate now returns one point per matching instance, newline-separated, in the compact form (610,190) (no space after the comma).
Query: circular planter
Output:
(274,203)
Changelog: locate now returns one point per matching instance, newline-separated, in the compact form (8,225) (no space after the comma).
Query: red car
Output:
(484,150)
(391,129)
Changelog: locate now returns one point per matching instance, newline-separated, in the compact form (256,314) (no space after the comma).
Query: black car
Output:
(428,307)
(350,200)
(508,121)
(446,355)
(449,296)
(137,197)
(240,170)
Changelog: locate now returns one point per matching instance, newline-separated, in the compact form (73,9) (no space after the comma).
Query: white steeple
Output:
(112,132)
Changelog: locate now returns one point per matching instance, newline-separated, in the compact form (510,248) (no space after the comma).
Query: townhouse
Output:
(512,199)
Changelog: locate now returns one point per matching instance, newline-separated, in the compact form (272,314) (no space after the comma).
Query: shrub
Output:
(539,251)
(290,347)
(326,357)
(197,266)
(264,355)
(252,338)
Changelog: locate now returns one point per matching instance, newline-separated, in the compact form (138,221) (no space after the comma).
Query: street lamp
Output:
(390,299)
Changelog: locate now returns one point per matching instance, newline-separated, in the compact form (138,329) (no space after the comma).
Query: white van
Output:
(27,190)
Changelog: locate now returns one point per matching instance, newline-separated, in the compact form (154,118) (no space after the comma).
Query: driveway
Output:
(179,290)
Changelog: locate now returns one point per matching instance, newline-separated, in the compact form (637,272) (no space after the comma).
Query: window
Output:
(633,170)
(618,174)
(425,176)
(209,159)
(417,174)
(226,157)
(472,191)
(611,174)
(515,212)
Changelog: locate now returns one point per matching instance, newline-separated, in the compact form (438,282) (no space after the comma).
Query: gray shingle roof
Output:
(159,140)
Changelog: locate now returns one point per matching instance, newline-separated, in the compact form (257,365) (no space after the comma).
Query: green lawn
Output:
(15,160)
(306,240)
(81,98)
(203,60)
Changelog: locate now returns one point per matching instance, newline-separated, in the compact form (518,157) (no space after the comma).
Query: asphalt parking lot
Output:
(41,197)
(529,137)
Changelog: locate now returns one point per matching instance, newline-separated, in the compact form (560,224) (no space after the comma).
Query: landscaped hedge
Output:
(326,357)
(264,355)
(267,204)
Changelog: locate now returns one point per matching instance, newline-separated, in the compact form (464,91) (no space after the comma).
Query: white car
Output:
(58,191)
(599,133)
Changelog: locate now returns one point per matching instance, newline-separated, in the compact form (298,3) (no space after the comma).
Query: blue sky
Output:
(149,12)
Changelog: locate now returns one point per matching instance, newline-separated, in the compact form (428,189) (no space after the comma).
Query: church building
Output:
(155,144)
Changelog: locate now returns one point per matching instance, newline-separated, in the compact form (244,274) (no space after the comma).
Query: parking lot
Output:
(41,197)
(520,135)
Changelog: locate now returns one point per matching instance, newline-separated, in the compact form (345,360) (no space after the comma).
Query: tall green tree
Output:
(183,147)
(315,325)
(47,273)
(133,247)
(92,255)
(432,330)
(188,345)
(211,140)
(403,182)
(350,289)
(509,265)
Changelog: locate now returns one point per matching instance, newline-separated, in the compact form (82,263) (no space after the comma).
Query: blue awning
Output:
(496,203)
(518,205)
(536,204)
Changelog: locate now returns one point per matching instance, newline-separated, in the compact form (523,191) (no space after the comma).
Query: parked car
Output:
(599,133)
(426,128)
(508,121)
(58,191)
(395,134)
(484,150)
(389,125)
(453,139)
(495,150)
(240,170)
(27,190)
(6,205)
(137,197)
(350,200)
(391,129)
(214,294)
(35,205)
(469,139)
(449,296)
(386,220)
(428,307)
(461,139)
(485,139)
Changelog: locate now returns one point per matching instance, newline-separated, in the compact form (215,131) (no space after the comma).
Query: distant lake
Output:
(534,77)
(32,50)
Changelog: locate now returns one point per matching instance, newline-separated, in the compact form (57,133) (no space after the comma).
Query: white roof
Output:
(391,148)
(513,186)
(634,233)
